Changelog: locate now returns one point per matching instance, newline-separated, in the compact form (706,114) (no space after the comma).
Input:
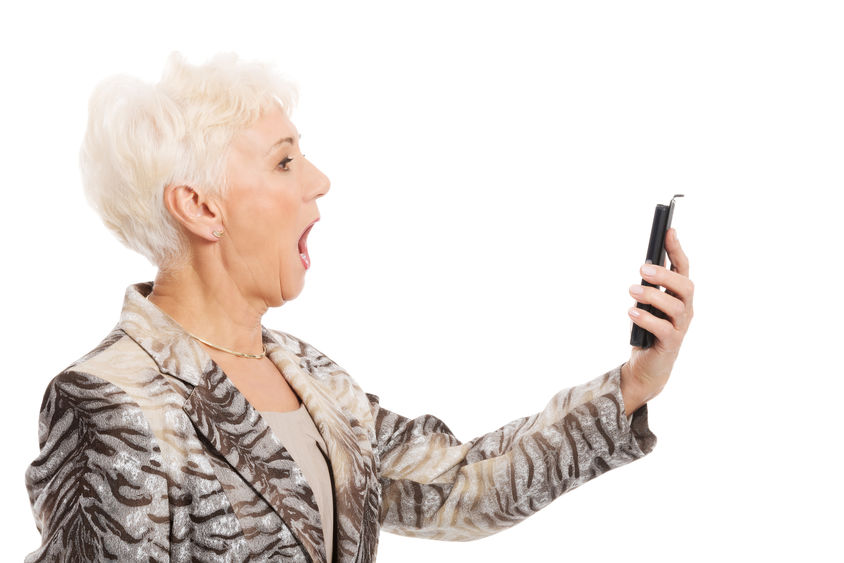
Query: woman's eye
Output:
(284,162)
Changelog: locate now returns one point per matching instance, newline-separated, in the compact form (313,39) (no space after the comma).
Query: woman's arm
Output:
(97,488)
(434,486)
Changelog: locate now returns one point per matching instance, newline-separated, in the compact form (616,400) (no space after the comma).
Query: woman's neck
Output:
(210,305)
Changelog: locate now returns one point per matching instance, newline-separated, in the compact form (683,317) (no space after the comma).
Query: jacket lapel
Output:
(237,431)
(346,438)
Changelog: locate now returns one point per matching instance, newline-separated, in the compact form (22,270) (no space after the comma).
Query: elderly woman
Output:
(193,432)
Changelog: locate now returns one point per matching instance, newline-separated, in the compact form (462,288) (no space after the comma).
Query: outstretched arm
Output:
(434,486)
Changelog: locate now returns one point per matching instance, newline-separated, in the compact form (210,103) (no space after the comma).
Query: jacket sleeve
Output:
(97,488)
(434,486)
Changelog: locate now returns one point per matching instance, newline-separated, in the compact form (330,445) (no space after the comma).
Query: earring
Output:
(217,234)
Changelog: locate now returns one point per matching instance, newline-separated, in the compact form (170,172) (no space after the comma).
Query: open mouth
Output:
(303,246)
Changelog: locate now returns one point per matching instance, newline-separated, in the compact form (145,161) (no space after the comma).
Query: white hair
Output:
(142,137)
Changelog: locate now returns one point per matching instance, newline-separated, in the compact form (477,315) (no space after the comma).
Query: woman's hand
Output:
(647,371)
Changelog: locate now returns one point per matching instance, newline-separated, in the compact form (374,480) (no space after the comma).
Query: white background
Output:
(494,171)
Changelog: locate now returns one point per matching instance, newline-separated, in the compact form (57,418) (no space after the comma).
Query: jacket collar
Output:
(172,349)
(238,432)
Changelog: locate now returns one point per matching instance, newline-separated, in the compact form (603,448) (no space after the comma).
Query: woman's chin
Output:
(290,291)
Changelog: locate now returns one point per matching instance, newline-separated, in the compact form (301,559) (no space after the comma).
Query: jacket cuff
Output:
(636,425)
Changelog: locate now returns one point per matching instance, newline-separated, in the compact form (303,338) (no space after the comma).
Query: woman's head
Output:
(142,138)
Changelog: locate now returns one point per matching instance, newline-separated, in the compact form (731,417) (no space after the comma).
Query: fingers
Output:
(679,260)
(669,337)
(677,283)
(673,308)
(676,301)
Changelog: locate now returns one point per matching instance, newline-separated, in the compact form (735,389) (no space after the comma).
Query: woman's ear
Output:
(196,213)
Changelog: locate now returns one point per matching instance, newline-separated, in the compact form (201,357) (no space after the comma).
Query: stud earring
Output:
(217,234)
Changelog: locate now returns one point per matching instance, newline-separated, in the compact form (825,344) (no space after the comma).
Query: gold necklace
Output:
(241,354)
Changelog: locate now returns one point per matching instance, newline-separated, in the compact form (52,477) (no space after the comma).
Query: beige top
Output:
(297,432)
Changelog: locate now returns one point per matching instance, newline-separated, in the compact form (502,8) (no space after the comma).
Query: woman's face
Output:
(269,204)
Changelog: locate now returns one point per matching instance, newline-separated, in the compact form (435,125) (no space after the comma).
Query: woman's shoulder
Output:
(86,414)
(99,382)
(99,467)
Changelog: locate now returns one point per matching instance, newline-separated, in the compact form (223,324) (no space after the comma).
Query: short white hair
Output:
(142,137)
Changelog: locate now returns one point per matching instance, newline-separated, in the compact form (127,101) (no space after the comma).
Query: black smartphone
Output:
(656,255)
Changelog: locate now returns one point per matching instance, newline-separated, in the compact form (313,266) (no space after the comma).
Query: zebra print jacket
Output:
(150,453)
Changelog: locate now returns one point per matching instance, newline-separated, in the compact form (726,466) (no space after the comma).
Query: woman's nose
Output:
(319,183)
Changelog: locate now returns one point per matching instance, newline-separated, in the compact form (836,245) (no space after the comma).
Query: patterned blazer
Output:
(150,453)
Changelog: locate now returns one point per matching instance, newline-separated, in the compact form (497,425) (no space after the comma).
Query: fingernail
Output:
(648,270)
(634,312)
(637,289)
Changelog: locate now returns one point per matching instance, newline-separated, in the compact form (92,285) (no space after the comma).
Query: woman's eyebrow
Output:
(281,142)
